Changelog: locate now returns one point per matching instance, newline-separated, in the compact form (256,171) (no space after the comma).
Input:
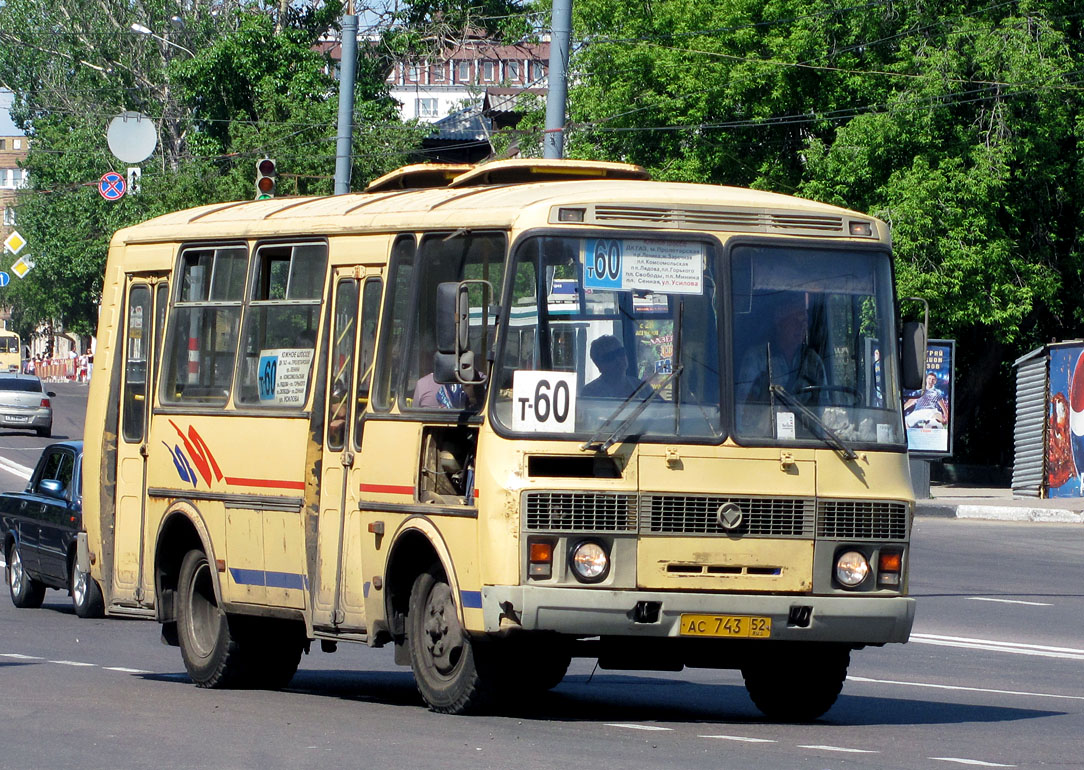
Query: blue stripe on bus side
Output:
(471,599)
(259,577)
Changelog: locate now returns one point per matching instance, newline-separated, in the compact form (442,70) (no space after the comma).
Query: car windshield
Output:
(813,328)
(22,384)
(611,337)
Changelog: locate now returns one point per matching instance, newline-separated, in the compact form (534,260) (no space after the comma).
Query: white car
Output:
(24,403)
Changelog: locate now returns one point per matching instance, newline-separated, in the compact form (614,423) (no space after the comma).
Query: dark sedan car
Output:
(39,528)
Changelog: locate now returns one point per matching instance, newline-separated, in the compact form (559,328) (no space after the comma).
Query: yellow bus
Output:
(11,352)
(503,416)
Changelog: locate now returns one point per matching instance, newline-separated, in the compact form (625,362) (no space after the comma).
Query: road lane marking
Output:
(978,762)
(15,469)
(637,727)
(124,670)
(72,663)
(990,645)
(964,689)
(1009,601)
(18,656)
(739,738)
(839,748)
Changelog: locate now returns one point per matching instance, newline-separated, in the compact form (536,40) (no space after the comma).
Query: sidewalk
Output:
(998,504)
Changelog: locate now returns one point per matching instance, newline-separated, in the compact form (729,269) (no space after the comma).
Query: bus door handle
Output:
(143,450)
(347,459)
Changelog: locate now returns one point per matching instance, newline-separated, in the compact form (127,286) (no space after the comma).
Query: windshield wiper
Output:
(602,446)
(830,436)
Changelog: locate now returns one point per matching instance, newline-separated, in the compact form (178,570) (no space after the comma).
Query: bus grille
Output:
(580,511)
(861,520)
(764,516)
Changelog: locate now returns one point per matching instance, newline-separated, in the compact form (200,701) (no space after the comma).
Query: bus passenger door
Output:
(144,311)
(337,594)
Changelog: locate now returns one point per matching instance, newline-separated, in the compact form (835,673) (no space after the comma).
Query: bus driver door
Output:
(337,588)
(145,309)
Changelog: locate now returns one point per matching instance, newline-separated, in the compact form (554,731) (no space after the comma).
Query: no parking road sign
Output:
(111,186)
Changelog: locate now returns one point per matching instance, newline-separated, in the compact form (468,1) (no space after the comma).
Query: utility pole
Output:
(347,72)
(553,143)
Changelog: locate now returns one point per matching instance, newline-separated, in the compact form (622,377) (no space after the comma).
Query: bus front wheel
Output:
(797,685)
(212,656)
(445,662)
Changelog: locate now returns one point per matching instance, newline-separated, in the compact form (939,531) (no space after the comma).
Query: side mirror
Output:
(913,350)
(51,488)
(454,360)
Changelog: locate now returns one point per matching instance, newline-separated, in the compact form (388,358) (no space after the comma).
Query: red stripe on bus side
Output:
(386,489)
(271,483)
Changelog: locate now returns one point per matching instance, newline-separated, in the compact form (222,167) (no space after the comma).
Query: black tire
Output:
(212,655)
(44,432)
(86,593)
(446,663)
(797,685)
(26,592)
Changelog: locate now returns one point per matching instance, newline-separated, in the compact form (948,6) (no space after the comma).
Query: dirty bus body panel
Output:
(667,433)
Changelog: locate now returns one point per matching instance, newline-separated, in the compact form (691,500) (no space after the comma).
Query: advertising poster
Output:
(1065,422)
(927,412)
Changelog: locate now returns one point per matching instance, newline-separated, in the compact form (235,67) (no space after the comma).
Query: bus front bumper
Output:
(854,619)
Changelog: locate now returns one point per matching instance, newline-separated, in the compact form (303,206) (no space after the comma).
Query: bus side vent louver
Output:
(718,219)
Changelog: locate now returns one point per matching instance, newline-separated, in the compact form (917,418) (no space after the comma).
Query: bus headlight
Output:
(590,562)
(851,568)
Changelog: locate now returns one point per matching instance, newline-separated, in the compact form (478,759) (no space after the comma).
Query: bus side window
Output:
(341,372)
(281,325)
(389,356)
(202,334)
(446,258)
(137,341)
(370,312)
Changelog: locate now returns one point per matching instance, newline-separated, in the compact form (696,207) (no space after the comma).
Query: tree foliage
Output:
(958,123)
(233,83)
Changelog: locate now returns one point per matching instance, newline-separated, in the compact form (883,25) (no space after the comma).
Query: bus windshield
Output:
(626,339)
(814,351)
(612,336)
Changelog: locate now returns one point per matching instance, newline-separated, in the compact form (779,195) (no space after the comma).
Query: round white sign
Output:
(132,137)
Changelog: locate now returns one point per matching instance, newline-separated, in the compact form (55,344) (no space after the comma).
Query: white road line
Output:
(1016,648)
(840,748)
(1009,601)
(964,689)
(978,762)
(18,656)
(124,670)
(739,738)
(637,727)
(72,663)
(16,469)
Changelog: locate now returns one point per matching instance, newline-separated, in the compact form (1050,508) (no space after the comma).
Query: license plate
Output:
(729,626)
(17,420)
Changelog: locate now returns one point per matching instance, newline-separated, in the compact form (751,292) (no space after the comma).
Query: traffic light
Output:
(265,179)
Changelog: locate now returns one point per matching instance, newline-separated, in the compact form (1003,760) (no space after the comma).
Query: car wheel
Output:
(26,592)
(45,432)
(86,593)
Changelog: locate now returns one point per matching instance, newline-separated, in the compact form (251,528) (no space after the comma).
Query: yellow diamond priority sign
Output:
(22,267)
(14,242)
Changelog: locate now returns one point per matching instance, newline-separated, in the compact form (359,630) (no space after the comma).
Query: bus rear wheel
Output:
(448,667)
(796,684)
(212,655)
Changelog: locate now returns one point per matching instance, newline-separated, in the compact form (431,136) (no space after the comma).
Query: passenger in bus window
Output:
(613,381)
(428,394)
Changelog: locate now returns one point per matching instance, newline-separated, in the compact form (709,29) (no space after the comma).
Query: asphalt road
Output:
(993,677)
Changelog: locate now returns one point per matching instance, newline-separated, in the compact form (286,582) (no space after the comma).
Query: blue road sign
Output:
(111,186)
(5,279)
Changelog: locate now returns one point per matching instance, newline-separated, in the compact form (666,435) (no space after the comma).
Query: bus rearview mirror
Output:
(913,355)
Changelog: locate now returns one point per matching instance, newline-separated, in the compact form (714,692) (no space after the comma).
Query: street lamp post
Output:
(140,29)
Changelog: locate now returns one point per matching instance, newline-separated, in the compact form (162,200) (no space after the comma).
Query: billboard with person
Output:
(1065,422)
(927,412)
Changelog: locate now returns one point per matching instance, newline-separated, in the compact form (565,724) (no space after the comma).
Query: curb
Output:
(1001,513)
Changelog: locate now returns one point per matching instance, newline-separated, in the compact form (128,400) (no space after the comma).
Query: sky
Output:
(7,128)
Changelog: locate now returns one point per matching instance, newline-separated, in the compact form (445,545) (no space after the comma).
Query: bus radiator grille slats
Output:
(699,515)
(782,517)
(861,520)
(580,511)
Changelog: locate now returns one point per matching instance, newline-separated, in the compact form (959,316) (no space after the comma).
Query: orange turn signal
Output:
(541,553)
(890,562)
